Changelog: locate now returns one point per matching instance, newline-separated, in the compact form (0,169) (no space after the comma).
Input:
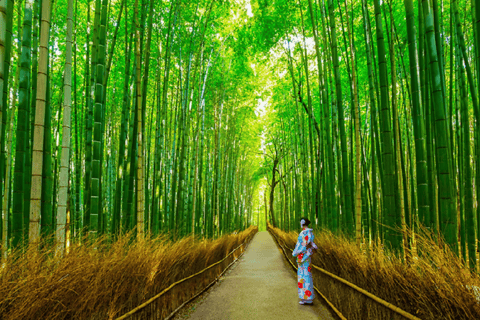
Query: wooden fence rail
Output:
(150,310)
(351,285)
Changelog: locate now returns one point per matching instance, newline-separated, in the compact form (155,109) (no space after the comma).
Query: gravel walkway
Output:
(261,285)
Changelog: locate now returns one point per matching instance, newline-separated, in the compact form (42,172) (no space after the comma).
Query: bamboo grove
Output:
(120,116)
(144,115)
(375,125)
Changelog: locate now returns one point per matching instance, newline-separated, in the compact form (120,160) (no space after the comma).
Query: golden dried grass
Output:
(433,286)
(105,279)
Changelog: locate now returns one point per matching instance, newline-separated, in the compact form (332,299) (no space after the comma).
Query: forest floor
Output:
(260,285)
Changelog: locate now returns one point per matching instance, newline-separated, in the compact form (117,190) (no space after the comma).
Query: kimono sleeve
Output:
(301,245)
(303,239)
(309,237)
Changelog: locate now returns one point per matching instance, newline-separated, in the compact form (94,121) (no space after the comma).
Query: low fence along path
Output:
(261,286)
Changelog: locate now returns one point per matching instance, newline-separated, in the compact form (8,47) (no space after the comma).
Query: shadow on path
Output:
(259,286)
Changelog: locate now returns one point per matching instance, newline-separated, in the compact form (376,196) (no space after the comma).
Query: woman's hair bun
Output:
(307,222)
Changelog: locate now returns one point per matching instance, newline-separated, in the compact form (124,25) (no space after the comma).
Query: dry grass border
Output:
(433,286)
(106,279)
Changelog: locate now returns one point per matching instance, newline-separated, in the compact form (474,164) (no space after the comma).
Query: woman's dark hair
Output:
(307,222)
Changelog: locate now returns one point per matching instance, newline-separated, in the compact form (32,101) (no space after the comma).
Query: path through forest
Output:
(259,286)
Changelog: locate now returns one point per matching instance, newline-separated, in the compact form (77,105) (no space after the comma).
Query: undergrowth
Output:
(104,279)
(433,285)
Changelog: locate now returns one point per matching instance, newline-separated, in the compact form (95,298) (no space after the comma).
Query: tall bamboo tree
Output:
(37,162)
(65,159)
(138,99)
(392,218)
(339,104)
(446,195)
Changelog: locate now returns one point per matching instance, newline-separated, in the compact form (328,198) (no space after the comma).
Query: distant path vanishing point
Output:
(260,286)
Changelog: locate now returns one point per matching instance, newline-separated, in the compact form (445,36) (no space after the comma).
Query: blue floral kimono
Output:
(305,281)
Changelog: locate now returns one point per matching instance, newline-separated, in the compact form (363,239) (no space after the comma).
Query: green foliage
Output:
(238,91)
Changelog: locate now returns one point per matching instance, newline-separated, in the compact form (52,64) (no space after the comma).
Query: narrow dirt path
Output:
(259,286)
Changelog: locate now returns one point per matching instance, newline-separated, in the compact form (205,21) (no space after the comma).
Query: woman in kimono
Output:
(306,292)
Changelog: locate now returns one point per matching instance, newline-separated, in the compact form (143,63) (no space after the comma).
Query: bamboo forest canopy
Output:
(201,117)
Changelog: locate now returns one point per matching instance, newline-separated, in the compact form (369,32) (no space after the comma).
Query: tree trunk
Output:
(37,162)
(445,190)
(67,102)
(140,179)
